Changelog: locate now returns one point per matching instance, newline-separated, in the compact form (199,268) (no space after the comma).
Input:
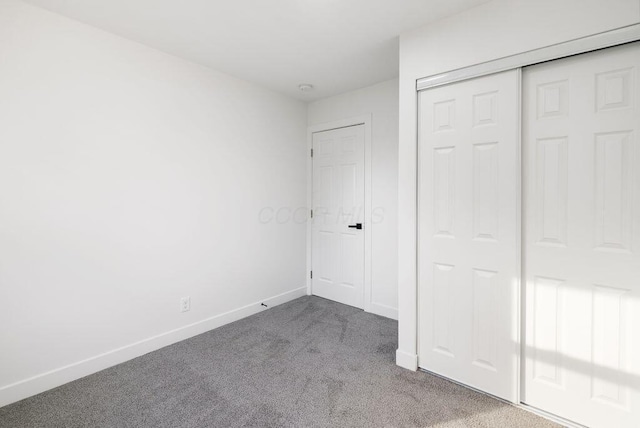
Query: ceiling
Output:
(336,45)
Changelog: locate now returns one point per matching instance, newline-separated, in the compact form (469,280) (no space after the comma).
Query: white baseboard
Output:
(406,360)
(384,311)
(51,379)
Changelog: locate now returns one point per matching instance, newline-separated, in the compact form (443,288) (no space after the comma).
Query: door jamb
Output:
(328,126)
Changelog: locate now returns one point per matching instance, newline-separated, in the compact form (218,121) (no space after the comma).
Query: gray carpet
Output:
(308,363)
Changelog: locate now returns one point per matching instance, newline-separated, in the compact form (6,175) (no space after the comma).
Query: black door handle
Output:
(356,226)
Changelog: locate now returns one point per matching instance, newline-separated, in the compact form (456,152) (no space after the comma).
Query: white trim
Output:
(406,360)
(549,53)
(518,299)
(368,207)
(343,123)
(384,310)
(51,379)
(309,208)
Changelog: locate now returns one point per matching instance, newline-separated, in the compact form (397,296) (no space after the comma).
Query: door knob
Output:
(356,226)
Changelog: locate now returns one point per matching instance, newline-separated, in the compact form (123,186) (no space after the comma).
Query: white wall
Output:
(490,31)
(381,101)
(129,179)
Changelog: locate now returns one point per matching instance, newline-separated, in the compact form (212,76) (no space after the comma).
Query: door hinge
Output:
(311,274)
(311,213)
(311,152)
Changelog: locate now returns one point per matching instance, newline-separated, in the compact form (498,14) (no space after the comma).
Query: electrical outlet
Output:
(185,304)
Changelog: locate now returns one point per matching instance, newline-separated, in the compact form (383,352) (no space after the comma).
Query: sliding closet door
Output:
(581,125)
(468,254)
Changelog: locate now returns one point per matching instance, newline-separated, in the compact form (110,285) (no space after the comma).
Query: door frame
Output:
(409,322)
(364,120)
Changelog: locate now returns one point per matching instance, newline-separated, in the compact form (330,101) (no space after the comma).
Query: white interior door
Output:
(468,229)
(582,243)
(337,252)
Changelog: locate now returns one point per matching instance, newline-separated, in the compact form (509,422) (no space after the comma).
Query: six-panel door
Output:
(337,251)
(468,228)
(581,124)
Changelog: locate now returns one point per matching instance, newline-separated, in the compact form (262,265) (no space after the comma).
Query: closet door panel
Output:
(468,255)
(581,124)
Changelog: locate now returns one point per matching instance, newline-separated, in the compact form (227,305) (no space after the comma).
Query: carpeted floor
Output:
(308,363)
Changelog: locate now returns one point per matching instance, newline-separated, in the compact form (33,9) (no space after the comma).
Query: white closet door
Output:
(468,254)
(582,245)
(337,253)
